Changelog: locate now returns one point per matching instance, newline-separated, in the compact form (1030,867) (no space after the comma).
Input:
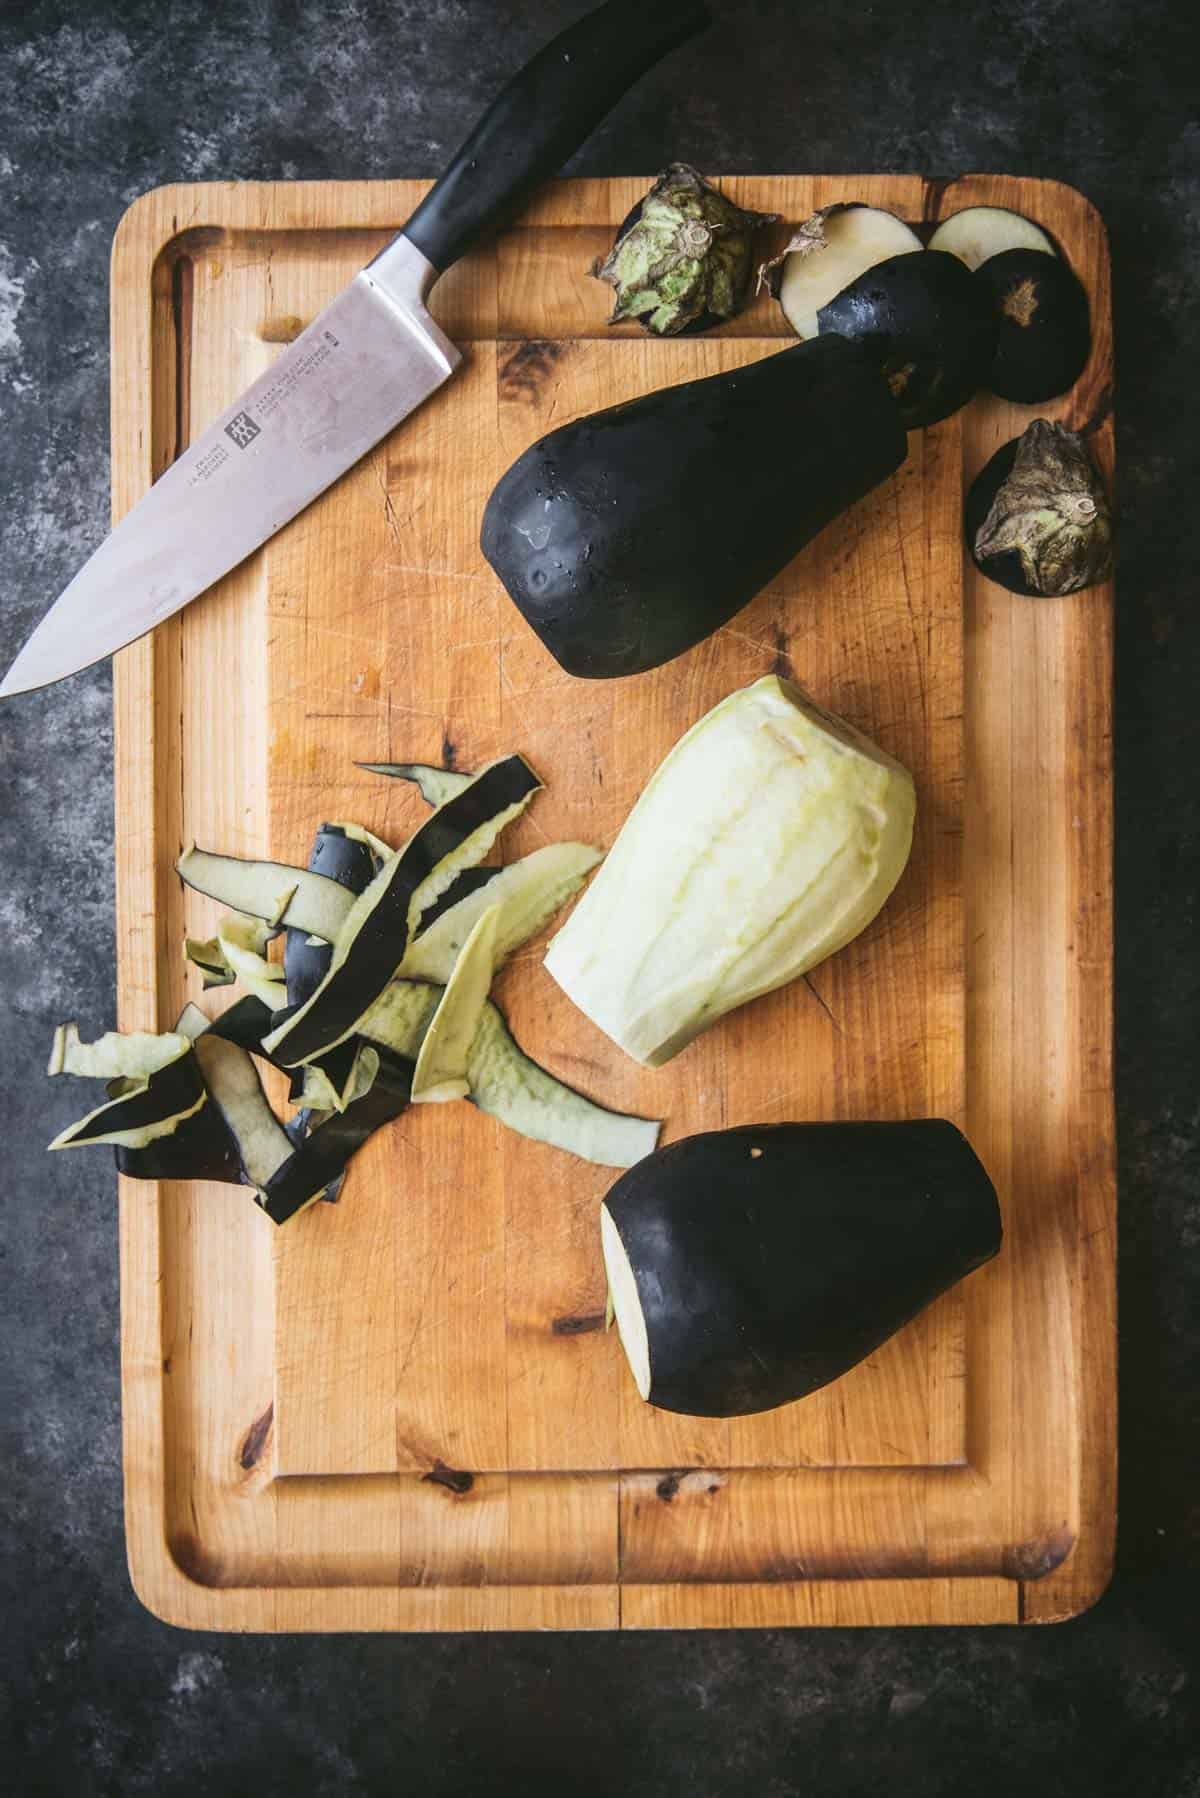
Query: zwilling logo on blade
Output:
(242,429)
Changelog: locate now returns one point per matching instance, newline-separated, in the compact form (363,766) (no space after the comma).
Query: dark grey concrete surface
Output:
(99,102)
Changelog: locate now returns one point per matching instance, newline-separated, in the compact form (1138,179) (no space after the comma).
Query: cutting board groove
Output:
(403,1412)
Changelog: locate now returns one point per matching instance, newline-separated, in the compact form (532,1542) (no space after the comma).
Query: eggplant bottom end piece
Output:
(749,1267)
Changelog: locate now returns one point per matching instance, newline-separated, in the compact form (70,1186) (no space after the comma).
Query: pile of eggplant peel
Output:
(381,1001)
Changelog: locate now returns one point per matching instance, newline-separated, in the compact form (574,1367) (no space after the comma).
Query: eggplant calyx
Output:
(1051,512)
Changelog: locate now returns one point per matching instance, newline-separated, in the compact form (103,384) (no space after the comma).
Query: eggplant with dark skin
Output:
(749,1267)
(928,326)
(629,535)
(1043,334)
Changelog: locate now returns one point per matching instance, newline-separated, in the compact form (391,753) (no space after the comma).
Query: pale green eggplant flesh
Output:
(769,838)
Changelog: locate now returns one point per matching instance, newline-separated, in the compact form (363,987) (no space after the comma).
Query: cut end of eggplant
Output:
(977,233)
(1038,520)
(682,259)
(829,251)
(624,1304)
(1042,323)
(927,325)
(750,1267)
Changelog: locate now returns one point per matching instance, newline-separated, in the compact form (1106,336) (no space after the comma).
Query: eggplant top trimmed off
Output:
(1038,519)
(629,535)
(929,327)
(1043,326)
(749,1267)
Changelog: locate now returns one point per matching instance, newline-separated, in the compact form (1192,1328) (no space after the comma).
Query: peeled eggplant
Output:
(627,536)
(749,1267)
(769,838)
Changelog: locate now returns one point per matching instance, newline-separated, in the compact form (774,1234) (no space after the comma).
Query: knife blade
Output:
(367,361)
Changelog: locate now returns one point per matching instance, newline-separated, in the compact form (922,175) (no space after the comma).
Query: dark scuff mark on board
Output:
(530,365)
(933,197)
(284,327)
(669,1485)
(449,750)
(578,1326)
(1100,414)
(781,664)
(1039,1556)
(254,1442)
(452,1478)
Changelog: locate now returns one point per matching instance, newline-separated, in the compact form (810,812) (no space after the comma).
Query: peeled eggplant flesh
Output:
(270,890)
(769,838)
(979,232)
(528,892)
(928,326)
(506,1084)
(1043,331)
(435,785)
(441,1070)
(750,1267)
(627,536)
(828,251)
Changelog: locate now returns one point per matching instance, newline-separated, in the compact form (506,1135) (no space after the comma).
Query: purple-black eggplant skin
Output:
(763,1276)
(629,535)
(1043,328)
(927,324)
(349,862)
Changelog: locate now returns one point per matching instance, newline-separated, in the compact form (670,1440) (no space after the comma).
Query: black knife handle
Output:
(542,116)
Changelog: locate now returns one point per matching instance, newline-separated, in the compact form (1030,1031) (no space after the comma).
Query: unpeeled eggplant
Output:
(749,1267)
(629,535)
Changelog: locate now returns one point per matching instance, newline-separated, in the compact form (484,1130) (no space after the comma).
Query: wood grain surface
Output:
(402,1412)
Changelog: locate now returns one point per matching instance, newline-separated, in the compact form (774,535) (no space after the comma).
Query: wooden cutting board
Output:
(403,1412)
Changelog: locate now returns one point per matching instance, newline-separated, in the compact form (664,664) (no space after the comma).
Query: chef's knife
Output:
(367,361)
